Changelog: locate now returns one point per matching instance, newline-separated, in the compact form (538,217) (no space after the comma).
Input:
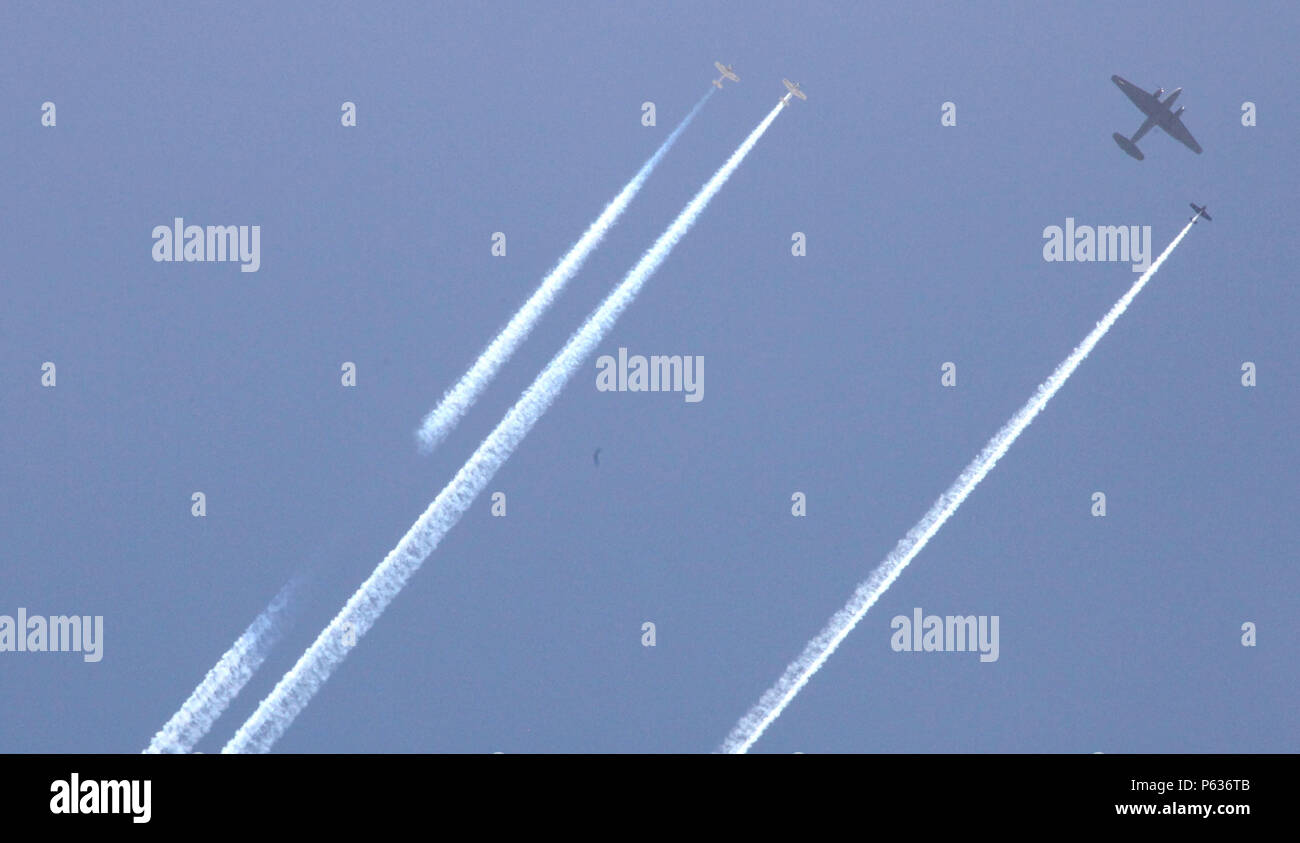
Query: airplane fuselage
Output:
(727,73)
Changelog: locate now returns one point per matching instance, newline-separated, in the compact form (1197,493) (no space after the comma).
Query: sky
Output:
(523,633)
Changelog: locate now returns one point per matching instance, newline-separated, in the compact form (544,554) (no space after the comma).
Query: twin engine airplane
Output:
(1158,114)
(727,73)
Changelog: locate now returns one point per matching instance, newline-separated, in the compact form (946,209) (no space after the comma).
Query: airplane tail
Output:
(1128,146)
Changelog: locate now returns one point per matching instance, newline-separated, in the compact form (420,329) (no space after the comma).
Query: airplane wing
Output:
(1143,100)
(1179,132)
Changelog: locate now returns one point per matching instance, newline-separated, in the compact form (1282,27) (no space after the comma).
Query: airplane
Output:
(795,91)
(727,73)
(1200,212)
(1158,114)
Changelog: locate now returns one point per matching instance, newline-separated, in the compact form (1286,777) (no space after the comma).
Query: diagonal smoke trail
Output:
(457,400)
(297,687)
(773,702)
(227,678)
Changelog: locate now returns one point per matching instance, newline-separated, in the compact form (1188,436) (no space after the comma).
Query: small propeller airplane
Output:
(727,73)
(794,91)
(1200,212)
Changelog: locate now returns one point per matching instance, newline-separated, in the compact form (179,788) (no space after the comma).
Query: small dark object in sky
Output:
(595,458)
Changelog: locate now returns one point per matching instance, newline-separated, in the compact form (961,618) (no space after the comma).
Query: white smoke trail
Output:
(226,679)
(457,400)
(773,702)
(297,687)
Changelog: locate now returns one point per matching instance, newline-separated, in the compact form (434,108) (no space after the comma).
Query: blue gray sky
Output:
(523,633)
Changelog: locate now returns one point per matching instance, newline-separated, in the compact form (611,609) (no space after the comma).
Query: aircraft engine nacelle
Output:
(1180,110)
